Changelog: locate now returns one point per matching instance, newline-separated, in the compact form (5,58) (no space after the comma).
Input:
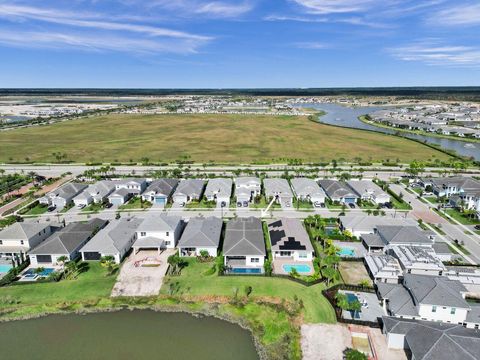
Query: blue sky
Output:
(245,43)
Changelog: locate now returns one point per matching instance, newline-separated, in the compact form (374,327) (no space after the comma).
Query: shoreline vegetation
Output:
(204,138)
(272,309)
(364,119)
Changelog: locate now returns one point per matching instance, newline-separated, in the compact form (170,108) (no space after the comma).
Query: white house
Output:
(219,190)
(158,232)
(188,190)
(290,240)
(95,193)
(280,190)
(369,191)
(63,196)
(308,190)
(246,189)
(160,191)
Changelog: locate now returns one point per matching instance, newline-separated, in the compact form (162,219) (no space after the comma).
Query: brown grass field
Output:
(203,138)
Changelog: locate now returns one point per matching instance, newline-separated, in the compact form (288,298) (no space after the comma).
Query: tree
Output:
(109,263)
(415,168)
(329,274)
(62,260)
(268,268)
(353,354)
(39,270)
(71,270)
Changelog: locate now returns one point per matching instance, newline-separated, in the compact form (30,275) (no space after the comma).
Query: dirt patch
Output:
(353,272)
(325,342)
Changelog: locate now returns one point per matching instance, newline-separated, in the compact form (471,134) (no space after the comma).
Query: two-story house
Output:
(158,232)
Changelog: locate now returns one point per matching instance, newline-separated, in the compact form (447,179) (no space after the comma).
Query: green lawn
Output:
(94,207)
(91,285)
(262,204)
(203,204)
(205,137)
(37,210)
(135,203)
(195,281)
(302,205)
(432,199)
(461,218)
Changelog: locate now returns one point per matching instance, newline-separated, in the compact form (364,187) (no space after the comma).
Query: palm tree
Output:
(109,263)
(62,259)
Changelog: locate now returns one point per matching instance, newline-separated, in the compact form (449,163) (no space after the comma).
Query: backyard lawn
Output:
(89,286)
(196,279)
(219,138)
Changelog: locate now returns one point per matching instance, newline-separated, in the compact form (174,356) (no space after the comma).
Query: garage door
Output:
(92,255)
(350,200)
(44,259)
(160,200)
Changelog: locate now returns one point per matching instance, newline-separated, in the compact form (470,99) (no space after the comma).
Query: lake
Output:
(348,117)
(139,334)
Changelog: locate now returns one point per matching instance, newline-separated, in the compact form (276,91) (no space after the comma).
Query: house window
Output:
(434,308)
(167,243)
(302,255)
(452,311)
(1,242)
(168,233)
(254,260)
(143,233)
(21,242)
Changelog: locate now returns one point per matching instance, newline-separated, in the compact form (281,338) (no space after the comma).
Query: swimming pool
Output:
(31,273)
(300,268)
(5,268)
(346,252)
(246,271)
(351,298)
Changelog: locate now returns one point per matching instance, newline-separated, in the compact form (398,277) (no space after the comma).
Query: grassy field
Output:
(197,280)
(203,138)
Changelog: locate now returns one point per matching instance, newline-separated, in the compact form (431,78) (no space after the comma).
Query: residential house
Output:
(126,189)
(278,189)
(63,196)
(246,189)
(424,297)
(383,268)
(338,191)
(308,190)
(17,239)
(160,191)
(442,251)
(290,240)
(420,260)
(244,249)
(158,232)
(65,242)
(96,193)
(359,225)
(219,190)
(429,340)
(116,240)
(188,190)
(394,235)
(369,191)
(119,197)
(201,234)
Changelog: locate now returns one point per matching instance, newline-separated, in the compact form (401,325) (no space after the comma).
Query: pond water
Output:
(139,334)
(348,117)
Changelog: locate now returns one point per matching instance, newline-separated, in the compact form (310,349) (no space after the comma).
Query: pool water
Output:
(300,268)
(31,272)
(351,298)
(346,252)
(5,268)
(246,271)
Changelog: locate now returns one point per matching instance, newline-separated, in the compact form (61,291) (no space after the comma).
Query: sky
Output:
(239,44)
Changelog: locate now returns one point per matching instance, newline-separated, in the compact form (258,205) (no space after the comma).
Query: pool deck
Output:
(360,250)
(371,312)
(278,266)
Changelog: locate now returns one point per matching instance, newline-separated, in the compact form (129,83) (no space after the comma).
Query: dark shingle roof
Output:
(244,236)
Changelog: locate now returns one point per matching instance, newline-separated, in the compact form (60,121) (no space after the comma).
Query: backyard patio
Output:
(285,266)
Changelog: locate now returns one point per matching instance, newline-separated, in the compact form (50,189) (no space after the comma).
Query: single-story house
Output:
(65,242)
(244,249)
(18,238)
(119,197)
(369,191)
(383,268)
(289,239)
(158,232)
(188,190)
(116,239)
(63,196)
(95,193)
(338,191)
(359,225)
(219,190)
(280,190)
(246,189)
(420,260)
(308,189)
(160,191)
(201,234)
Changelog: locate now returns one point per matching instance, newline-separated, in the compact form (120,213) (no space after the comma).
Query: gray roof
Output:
(68,239)
(202,232)
(120,192)
(382,265)
(160,222)
(190,187)
(362,187)
(289,234)
(277,187)
(162,186)
(220,187)
(114,237)
(365,223)
(337,189)
(435,290)
(307,187)
(22,230)
(100,188)
(247,181)
(394,234)
(466,183)
(69,190)
(441,248)
(148,242)
(400,300)
(244,236)
(373,240)
(428,340)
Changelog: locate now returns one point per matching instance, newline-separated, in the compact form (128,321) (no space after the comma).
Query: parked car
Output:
(108,205)
(245,203)
(351,205)
(80,206)
(477,227)
(388,205)
(51,208)
(317,204)
(239,204)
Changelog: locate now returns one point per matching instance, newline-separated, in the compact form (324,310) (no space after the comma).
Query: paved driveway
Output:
(138,280)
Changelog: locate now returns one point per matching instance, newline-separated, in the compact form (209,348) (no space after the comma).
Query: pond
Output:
(348,117)
(139,334)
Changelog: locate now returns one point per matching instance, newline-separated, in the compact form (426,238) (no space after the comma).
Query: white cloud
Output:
(312,45)
(466,14)
(295,18)
(432,52)
(212,9)
(222,9)
(335,6)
